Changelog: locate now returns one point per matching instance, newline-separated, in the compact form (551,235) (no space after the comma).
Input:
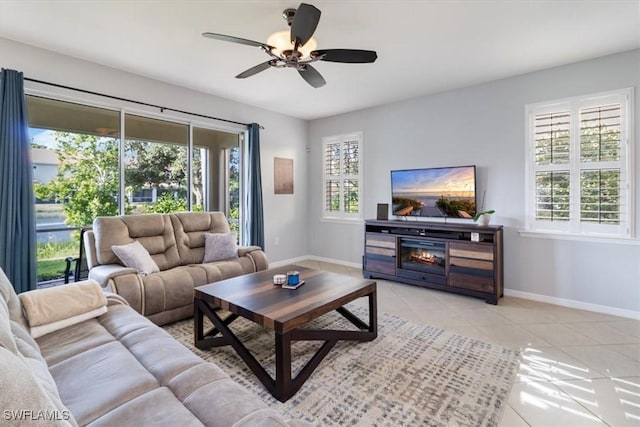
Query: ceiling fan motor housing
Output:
(288,14)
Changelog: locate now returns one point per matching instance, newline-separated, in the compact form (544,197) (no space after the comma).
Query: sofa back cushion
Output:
(190,228)
(10,300)
(153,231)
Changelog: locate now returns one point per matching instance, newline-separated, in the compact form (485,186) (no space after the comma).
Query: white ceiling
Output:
(423,46)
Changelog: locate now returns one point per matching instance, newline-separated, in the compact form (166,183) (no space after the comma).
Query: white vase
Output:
(484,220)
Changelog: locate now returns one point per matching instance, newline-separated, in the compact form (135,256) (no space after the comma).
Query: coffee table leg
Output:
(373,313)
(283,366)
(198,318)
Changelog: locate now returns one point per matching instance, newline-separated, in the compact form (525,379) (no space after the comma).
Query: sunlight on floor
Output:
(578,368)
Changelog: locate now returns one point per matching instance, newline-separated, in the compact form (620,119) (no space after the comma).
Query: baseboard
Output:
(336,261)
(315,258)
(288,261)
(563,302)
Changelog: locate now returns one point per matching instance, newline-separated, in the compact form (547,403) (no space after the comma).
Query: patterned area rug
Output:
(411,374)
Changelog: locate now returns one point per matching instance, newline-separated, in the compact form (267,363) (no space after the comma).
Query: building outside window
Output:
(342,176)
(579,173)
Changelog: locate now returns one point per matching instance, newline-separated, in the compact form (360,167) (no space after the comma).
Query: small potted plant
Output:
(482,218)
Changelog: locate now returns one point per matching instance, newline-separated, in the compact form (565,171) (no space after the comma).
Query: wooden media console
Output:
(460,258)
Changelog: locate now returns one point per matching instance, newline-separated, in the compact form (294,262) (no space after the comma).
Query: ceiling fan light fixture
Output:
(281,41)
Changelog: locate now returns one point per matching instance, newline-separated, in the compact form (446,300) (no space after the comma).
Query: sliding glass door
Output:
(155,165)
(84,169)
(74,151)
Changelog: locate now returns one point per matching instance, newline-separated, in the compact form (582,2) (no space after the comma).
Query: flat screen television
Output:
(448,192)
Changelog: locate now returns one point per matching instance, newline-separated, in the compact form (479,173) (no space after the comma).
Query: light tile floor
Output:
(578,368)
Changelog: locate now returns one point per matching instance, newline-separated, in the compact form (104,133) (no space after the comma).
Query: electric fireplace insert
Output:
(423,255)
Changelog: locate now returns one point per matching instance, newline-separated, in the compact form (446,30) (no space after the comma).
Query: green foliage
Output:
(479,214)
(152,164)
(452,207)
(166,203)
(57,249)
(87,179)
(351,203)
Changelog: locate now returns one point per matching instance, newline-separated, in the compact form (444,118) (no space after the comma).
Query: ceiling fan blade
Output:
(312,76)
(350,56)
(254,70)
(304,23)
(232,39)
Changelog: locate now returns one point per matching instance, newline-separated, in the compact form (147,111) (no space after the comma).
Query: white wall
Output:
(284,215)
(485,125)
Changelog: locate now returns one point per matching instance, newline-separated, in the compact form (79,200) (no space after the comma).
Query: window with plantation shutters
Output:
(341,171)
(578,165)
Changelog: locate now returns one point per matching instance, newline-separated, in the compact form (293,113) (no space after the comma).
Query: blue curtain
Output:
(17,223)
(254,216)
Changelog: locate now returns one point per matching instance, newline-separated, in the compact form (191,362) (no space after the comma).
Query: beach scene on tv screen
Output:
(438,192)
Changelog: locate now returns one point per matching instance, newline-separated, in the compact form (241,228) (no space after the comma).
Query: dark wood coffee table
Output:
(255,297)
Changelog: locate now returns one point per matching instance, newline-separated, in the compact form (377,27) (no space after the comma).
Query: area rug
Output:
(411,374)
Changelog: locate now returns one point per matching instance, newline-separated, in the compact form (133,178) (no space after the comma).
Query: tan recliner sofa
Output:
(118,369)
(176,243)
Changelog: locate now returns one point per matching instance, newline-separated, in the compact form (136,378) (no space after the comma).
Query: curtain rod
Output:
(161,108)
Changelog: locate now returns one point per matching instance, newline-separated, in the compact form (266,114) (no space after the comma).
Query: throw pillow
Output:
(134,255)
(220,247)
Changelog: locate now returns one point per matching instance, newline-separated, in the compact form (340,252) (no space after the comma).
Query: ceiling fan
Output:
(296,48)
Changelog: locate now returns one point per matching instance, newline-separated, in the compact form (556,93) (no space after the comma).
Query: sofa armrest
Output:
(115,299)
(244,250)
(103,273)
(258,257)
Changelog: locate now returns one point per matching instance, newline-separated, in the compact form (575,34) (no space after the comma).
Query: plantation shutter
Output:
(332,179)
(552,132)
(341,175)
(600,180)
(579,179)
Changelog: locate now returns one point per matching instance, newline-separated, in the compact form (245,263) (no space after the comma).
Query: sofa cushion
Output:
(220,247)
(157,407)
(111,376)
(170,289)
(22,391)
(153,231)
(219,401)
(221,270)
(69,342)
(134,255)
(7,339)
(8,295)
(190,228)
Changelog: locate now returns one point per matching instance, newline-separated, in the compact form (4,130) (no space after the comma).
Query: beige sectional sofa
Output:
(176,242)
(118,369)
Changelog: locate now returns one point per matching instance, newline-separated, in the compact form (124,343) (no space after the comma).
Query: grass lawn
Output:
(50,259)
(49,269)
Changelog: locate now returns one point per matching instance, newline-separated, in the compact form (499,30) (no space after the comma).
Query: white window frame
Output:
(575,228)
(341,215)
